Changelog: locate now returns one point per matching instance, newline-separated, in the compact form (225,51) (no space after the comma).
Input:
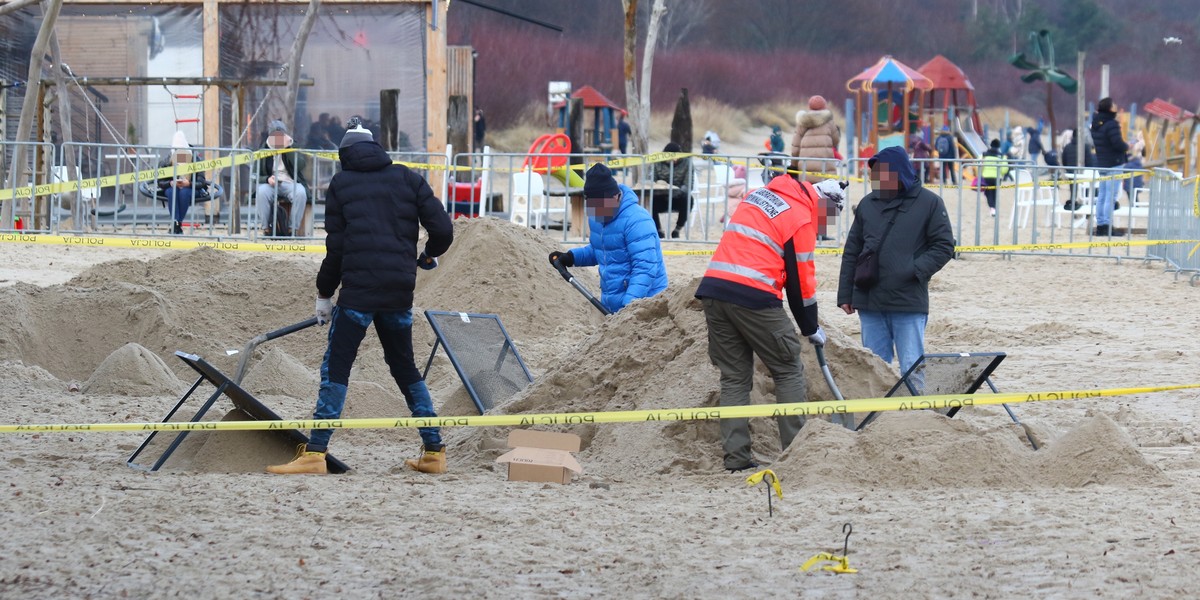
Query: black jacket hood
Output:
(364,156)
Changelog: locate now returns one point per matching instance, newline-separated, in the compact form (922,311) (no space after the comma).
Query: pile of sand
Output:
(654,354)
(278,373)
(132,370)
(925,450)
(203,302)
(496,267)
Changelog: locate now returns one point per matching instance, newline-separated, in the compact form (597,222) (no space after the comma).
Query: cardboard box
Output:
(541,456)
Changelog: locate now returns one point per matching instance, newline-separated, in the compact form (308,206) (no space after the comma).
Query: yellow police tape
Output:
(319,246)
(189,168)
(624,416)
(163,244)
(997,248)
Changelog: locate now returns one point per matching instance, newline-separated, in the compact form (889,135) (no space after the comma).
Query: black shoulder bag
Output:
(866,270)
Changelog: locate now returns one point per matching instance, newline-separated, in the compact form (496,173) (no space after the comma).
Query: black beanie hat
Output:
(600,183)
(995,143)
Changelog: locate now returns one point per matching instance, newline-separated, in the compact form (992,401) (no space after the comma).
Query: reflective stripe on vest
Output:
(746,272)
(756,235)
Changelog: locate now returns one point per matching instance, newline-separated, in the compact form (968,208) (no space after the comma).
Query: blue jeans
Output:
(346,332)
(891,334)
(180,200)
(1107,196)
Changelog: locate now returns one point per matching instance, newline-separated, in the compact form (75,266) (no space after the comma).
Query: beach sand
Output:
(939,507)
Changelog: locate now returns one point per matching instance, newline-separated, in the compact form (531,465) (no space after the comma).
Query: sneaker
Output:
(431,461)
(305,463)
(177,228)
(993,212)
(675,233)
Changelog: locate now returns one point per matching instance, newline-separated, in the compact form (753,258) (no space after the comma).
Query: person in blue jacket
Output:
(623,242)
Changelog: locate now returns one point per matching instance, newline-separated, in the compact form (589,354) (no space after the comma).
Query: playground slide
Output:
(554,149)
(969,138)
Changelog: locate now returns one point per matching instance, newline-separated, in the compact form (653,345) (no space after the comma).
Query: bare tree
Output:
(293,65)
(682,19)
(637,94)
(30,108)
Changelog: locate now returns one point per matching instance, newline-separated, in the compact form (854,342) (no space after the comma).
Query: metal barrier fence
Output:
(1034,204)
(1175,215)
(141,189)
(544,191)
(1042,205)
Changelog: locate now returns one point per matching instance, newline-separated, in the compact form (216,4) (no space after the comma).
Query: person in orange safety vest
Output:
(768,247)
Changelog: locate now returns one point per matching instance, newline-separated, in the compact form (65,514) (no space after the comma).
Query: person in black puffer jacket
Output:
(1111,150)
(373,212)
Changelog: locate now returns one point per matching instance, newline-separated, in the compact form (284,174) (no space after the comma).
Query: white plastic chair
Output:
(1029,197)
(710,189)
(528,193)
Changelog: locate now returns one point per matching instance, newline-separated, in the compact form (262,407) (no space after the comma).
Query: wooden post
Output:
(459,122)
(436,99)
(212,68)
(389,121)
(681,123)
(30,108)
(575,127)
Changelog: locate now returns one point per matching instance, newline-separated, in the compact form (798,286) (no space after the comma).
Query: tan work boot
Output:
(431,461)
(305,463)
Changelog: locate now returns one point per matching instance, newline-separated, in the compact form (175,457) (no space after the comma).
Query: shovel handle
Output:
(293,328)
(579,286)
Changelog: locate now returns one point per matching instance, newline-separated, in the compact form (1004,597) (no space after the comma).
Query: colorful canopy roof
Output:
(888,70)
(591,98)
(945,75)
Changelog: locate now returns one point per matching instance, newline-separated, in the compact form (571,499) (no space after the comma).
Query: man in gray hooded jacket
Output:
(906,225)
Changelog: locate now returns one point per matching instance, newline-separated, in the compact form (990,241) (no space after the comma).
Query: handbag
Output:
(866,270)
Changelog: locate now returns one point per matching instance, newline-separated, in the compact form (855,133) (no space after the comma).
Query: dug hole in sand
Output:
(653,354)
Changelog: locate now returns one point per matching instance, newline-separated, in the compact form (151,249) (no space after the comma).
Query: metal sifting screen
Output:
(483,355)
(937,374)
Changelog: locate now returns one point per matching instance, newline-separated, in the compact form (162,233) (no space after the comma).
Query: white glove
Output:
(831,191)
(818,337)
(324,310)
(427,262)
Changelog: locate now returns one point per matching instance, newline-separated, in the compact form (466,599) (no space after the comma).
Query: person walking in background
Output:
(775,142)
(623,133)
(480,130)
(1035,147)
(1111,150)
(890,290)
(817,138)
(768,247)
(622,242)
(373,214)
(921,152)
(993,169)
(947,150)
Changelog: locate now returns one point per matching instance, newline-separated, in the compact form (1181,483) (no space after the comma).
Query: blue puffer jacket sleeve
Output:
(628,252)
(648,274)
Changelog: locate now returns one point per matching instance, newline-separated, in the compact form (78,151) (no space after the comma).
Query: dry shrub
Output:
(529,124)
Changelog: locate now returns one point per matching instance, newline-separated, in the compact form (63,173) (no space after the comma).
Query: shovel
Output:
(244,361)
(579,286)
(844,419)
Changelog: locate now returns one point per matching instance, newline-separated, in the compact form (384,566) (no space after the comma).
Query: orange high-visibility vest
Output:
(751,250)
